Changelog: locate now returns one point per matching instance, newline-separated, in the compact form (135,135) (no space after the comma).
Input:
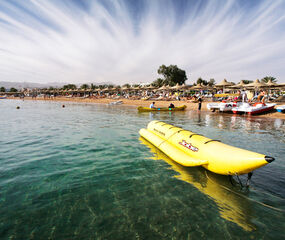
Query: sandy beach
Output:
(146,103)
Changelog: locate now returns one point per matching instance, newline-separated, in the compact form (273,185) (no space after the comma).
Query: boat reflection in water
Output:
(231,204)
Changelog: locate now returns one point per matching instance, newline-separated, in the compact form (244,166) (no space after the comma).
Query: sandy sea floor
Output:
(146,103)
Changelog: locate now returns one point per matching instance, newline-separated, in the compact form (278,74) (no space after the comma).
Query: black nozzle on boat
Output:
(269,159)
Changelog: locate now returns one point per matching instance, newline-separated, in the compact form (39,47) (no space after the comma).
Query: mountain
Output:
(20,85)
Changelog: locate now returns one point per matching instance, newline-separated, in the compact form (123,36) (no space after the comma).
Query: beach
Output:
(145,103)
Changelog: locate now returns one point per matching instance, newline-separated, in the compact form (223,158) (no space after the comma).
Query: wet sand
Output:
(146,103)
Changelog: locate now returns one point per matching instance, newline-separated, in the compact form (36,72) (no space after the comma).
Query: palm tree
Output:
(269,78)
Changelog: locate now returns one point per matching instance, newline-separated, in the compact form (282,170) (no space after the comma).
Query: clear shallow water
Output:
(81,172)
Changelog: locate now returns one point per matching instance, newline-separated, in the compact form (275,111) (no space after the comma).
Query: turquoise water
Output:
(81,172)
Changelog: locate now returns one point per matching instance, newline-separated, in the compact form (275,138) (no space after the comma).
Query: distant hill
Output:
(20,85)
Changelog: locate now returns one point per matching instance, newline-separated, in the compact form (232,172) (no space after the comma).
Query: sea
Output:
(83,172)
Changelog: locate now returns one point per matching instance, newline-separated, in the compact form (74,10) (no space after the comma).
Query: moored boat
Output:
(192,149)
(147,109)
(222,106)
(256,108)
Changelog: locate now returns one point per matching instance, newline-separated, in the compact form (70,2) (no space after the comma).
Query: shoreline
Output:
(145,103)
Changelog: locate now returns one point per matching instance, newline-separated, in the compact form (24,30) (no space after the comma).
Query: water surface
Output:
(82,172)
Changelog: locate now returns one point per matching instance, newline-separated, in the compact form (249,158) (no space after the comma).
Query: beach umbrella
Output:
(176,87)
(125,88)
(224,83)
(241,84)
(163,88)
(272,84)
(105,89)
(198,87)
(184,86)
(136,88)
(150,87)
(256,84)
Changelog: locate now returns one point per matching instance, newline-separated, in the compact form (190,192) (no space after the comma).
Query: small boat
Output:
(256,108)
(3,97)
(192,149)
(147,109)
(281,109)
(222,106)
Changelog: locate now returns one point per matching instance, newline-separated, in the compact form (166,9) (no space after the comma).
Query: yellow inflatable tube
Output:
(191,149)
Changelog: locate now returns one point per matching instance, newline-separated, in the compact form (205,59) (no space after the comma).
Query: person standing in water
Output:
(199,103)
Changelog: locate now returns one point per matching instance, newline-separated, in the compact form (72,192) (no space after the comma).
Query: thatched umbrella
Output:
(150,87)
(199,87)
(224,83)
(136,88)
(105,89)
(256,84)
(176,87)
(272,84)
(125,88)
(163,88)
(241,84)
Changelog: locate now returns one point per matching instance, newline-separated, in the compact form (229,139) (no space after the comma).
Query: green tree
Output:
(158,82)
(13,90)
(69,86)
(211,82)
(172,75)
(202,81)
(268,78)
(84,86)
(2,89)
(92,86)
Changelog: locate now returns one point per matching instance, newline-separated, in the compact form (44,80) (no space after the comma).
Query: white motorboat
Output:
(223,106)
(256,108)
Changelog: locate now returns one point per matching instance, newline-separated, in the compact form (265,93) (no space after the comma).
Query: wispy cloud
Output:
(126,41)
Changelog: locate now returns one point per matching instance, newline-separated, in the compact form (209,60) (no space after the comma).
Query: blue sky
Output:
(84,41)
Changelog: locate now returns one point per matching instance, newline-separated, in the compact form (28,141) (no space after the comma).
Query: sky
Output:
(93,41)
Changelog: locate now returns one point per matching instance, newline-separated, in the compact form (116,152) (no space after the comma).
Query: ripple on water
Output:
(82,173)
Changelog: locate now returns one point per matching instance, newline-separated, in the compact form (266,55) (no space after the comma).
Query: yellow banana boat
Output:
(147,109)
(231,205)
(191,149)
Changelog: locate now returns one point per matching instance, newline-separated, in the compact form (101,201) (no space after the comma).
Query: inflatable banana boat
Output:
(192,149)
(147,109)
(230,205)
